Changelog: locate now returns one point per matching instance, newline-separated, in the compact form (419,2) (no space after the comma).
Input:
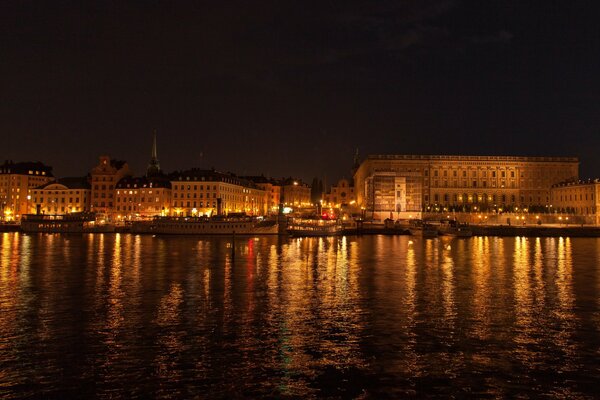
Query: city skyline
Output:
(293,89)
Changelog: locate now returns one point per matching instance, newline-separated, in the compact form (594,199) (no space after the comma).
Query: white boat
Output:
(314,227)
(219,225)
(51,223)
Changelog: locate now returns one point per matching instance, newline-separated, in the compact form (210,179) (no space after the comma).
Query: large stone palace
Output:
(397,186)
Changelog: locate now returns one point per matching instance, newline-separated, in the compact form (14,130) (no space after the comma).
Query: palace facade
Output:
(577,197)
(399,186)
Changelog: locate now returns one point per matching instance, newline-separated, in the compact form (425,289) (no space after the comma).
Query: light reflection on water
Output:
(373,316)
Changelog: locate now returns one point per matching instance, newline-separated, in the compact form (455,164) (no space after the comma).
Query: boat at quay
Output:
(314,227)
(423,229)
(67,223)
(218,225)
(453,228)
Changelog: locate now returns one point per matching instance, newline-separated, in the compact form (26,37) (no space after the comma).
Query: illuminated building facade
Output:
(295,193)
(63,196)
(142,197)
(16,182)
(340,194)
(272,189)
(399,186)
(208,192)
(578,197)
(104,179)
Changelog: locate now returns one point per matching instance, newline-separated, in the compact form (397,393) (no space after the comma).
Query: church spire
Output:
(153,166)
(154,153)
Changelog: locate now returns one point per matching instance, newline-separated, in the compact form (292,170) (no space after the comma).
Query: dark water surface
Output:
(126,316)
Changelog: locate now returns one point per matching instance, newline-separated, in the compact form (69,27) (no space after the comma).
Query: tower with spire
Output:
(153,165)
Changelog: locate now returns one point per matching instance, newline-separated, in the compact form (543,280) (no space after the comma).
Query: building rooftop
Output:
(469,158)
(76,182)
(155,181)
(26,168)
(578,182)
(211,175)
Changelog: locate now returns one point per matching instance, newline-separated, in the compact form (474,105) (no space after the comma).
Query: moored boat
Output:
(50,223)
(314,227)
(455,229)
(423,229)
(219,225)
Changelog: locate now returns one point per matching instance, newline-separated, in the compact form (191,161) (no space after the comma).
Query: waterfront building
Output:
(577,197)
(341,194)
(62,196)
(209,192)
(104,179)
(272,189)
(295,193)
(142,197)
(401,186)
(16,182)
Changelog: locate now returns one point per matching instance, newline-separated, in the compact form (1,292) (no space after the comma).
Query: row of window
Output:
(102,178)
(103,204)
(214,195)
(103,187)
(474,173)
(132,199)
(484,184)
(581,197)
(193,187)
(136,208)
(55,200)
(481,198)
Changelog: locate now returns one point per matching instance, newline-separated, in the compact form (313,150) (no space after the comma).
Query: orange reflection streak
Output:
(447,270)
(412,365)
(527,306)
(170,340)
(114,318)
(227,295)
(564,309)
(9,307)
(318,283)
(482,291)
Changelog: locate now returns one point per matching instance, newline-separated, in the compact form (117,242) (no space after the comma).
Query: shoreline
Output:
(478,230)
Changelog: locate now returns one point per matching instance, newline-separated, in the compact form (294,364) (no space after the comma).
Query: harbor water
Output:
(134,316)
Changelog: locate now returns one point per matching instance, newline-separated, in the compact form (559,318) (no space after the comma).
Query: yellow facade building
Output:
(142,198)
(208,192)
(104,177)
(272,189)
(578,197)
(16,182)
(341,194)
(397,186)
(63,196)
(295,193)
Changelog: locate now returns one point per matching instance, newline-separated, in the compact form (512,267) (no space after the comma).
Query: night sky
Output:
(293,88)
